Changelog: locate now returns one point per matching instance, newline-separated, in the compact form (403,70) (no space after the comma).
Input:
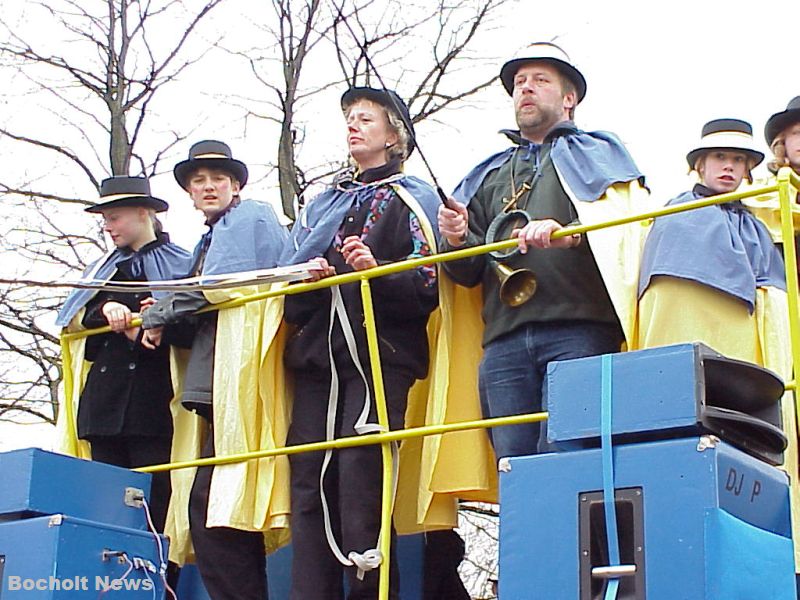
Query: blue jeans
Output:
(512,374)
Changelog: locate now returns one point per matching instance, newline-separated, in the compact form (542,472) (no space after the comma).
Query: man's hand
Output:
(453,222)
(538,234)
(146,303)
(357,254)
(324,270)
(151,338)
(118,316)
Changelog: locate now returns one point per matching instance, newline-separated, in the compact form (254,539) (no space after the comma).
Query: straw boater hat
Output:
(390,100)
(117,192)
(210,154)
(547,52)
(780,121)
(726,134)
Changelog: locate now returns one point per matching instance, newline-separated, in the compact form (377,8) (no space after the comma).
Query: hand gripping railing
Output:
(786,186)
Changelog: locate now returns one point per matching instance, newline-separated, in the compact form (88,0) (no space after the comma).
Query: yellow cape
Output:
(462,465)
(251,412)
(725,324)
(767,208)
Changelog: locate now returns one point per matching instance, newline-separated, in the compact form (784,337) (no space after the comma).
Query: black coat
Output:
(402,303)
(129,388)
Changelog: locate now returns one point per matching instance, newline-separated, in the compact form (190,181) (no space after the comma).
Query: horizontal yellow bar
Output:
(350,442)
(413,263)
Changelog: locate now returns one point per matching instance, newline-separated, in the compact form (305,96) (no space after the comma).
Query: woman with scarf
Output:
(373,214)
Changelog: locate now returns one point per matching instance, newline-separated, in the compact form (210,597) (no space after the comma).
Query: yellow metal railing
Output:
(786,186)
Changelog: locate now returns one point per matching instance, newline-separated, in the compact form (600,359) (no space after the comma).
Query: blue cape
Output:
(166,261)
(723,246)
(590,163)
(246,238)
(314,231)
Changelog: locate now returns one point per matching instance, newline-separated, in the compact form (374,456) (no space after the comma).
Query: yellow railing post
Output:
(786,199)
(69,408)
(387,491)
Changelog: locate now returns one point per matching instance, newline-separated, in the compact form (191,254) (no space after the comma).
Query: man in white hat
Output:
(556,174)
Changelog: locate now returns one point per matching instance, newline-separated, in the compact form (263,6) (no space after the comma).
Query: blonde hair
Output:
(400,148)
(778,149)
(700,164)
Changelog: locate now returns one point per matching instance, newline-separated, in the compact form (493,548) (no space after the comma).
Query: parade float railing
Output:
(786,186)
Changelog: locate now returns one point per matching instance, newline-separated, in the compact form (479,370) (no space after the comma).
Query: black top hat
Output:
(780,121)
(119,191)
(210,154)
(726,134)
(547,52)
(390,100)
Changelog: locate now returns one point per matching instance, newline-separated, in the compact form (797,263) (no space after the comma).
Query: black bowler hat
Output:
(549,53)
(780,121)
(390,100)
(726,134)
(119,191)
(210,154)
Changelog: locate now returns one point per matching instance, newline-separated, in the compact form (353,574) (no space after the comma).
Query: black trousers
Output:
(352,487)
(231,561)
(139,451)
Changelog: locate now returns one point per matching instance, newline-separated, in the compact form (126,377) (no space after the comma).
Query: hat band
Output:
(211,155)
(728,134)
(113,197)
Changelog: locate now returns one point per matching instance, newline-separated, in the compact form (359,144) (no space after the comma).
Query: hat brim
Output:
(692,157)
(150,202)
(380,97)
(509,70)
(780,121)
(184,169)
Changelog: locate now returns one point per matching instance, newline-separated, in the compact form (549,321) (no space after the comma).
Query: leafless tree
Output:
(423,51)
(92,71)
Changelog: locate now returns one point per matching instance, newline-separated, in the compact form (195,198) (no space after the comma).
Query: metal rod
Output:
(387,494)
(405,265)
(786,200)
(69,409)
(349,442)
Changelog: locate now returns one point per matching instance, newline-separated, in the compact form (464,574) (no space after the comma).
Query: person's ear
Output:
(570,101)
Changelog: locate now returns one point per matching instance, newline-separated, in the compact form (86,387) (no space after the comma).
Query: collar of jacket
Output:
(559,129)
(233,204)
(161,239)
(388,169)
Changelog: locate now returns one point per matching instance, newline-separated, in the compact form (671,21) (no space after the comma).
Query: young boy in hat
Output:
(719,265)
(242,236)
(711,261)
(124,408)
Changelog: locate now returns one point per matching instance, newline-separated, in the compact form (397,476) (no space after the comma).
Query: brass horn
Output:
(517,286)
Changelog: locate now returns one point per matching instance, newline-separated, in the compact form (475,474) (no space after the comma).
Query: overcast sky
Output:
(656,72)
